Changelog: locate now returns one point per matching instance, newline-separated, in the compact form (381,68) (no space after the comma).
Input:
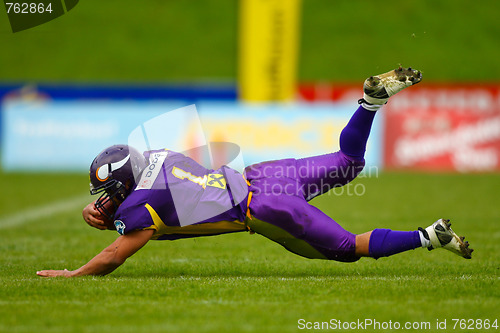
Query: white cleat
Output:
(441,235)
(377,89)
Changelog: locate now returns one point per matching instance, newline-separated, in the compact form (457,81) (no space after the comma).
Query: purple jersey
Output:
(178,198)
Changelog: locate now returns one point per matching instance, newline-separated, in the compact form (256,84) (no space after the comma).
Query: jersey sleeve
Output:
(131,217)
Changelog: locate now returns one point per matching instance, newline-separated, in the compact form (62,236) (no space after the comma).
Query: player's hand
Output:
(52,273)
(93,217)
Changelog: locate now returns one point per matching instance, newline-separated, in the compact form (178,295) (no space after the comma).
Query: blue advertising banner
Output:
(67,135)
(189,93)
(275,131)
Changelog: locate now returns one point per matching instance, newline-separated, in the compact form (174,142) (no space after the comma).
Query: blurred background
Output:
(278,78)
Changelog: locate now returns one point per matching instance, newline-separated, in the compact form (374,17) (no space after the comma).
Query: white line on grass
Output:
(44,211)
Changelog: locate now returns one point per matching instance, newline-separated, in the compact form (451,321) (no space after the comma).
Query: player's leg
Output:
(319,174)
(307,231)
(304,229)
(301,228)
(385,242)
(376,92)
(287,218)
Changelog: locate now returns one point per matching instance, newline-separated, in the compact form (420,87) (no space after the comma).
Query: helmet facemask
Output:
(113,193)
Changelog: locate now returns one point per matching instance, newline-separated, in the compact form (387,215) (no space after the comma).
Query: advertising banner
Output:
(431,127)
(444,129)
(270,132)
(67,135)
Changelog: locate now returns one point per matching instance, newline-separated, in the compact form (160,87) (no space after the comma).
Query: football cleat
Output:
(441,235)
(377,89)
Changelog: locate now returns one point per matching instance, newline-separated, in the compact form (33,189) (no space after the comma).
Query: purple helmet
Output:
(114,173)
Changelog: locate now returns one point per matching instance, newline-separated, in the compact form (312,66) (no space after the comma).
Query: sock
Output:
(386,242)
(426,242)
(355,134)
(370,107)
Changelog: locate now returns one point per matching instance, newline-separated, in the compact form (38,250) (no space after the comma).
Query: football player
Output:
(164,195)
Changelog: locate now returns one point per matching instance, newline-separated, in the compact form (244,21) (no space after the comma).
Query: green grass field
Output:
(341,40)
(242,282)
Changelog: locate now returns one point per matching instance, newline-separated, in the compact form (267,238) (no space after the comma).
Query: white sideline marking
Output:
(44,211)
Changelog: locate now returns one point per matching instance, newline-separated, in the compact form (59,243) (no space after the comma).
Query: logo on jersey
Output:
(152,171)
(213,179)
(216,180)
(120,226)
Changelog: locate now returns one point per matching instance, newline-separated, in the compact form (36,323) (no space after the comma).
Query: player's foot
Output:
(377,89)
(441,235)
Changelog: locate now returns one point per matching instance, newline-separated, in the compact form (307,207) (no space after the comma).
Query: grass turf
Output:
(243,283)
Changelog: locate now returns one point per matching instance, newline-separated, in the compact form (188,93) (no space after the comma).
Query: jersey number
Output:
(213,179)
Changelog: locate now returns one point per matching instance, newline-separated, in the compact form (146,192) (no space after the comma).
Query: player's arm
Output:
(110,258)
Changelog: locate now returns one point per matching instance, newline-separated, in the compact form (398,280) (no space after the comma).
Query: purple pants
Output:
(280,210)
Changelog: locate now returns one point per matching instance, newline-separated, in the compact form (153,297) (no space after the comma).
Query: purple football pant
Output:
(280,210)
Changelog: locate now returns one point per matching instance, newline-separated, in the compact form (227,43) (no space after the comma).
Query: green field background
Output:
(241,282)
(196,40)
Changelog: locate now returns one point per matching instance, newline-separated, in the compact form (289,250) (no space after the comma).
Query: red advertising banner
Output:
(328,92)
(432,127)
(444,129)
